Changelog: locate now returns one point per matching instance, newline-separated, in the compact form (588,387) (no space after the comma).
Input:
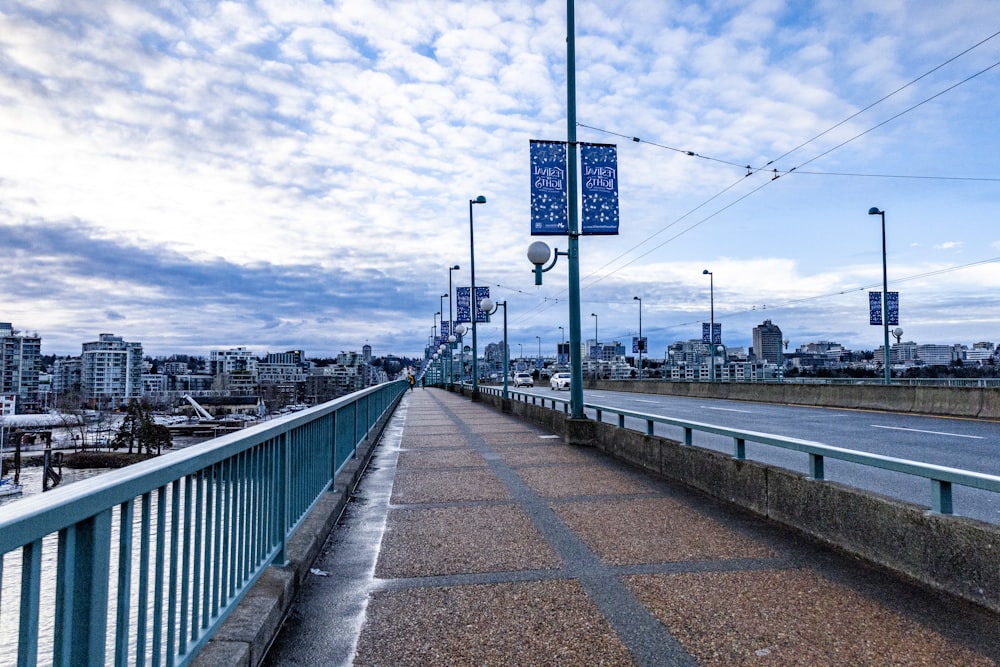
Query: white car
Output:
(523,380)
(560,381)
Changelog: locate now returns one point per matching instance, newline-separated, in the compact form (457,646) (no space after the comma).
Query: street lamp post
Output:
(711,322)
(538,364)
(597,361)
(489,308)
(472,299)
(460,331)
(451,330)
(874,210)
(635,298)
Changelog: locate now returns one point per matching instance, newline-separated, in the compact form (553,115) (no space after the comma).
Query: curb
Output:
(246,635)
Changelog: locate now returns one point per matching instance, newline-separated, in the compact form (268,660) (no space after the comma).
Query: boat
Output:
(8,487)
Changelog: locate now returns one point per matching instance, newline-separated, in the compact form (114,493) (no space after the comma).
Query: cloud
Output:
(296,174)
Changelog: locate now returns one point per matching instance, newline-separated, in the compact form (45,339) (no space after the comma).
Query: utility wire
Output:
(777,174)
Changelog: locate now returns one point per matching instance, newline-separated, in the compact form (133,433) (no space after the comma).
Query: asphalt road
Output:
(957,443)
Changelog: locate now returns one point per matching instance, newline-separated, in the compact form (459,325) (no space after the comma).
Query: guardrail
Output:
(941,477)
(140,566)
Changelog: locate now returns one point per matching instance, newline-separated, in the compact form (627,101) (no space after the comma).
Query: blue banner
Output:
(638,344)
(464,308)
(599,186)
(875,308)
(549,201)
(716,332)
(462,313)
(482,293)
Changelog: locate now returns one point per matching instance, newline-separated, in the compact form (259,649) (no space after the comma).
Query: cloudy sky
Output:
(295,174)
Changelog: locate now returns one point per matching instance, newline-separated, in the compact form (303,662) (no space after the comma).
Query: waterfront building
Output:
(19,361)
(111,371)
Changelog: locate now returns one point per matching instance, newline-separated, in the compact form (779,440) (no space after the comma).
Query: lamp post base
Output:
(580,432)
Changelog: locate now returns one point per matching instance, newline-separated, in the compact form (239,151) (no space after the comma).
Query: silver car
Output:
(523,380)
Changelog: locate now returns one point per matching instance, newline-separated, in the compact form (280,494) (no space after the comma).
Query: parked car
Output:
(560,381)
(523,380)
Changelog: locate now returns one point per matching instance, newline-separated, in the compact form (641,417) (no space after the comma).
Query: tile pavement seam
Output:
(646,638)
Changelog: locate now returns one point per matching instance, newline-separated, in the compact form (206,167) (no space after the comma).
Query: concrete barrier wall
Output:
(955,555)
(967,402)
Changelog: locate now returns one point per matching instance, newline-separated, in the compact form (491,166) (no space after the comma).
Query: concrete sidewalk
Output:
(476,539)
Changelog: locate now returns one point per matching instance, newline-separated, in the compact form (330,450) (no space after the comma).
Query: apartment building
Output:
(19,361)
(111,371)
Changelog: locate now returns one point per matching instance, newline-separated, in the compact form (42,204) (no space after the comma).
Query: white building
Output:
(19,362)
(111,371)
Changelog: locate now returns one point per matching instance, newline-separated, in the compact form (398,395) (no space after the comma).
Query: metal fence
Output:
(140,566)
(941,478)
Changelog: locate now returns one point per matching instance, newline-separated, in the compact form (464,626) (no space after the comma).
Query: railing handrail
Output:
(195,529)
(941,477)
(61,506)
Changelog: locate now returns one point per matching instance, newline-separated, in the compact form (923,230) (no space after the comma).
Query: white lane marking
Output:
(643,400)
(727,409)
(917,430)
(544,437)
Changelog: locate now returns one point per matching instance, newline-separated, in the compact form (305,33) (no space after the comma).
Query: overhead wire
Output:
(751,170)
(776,172)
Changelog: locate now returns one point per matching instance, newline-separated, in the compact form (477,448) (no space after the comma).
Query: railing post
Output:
(740,448)
(649,427)
(941,497)
(621,421)
(281,523)
(82,593)
(816,467)
(31,586)
(688,435)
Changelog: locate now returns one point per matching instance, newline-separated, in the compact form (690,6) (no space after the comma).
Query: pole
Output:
(711,321)
(506,360)
(885,309)
(597,347)
(473,306)
(640,335)
(451,331)
(576,362)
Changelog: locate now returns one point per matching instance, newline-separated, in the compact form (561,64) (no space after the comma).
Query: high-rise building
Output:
(767,342)
(111,371)
(19,360)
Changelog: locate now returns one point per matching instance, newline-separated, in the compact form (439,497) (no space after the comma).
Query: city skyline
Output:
(297,176)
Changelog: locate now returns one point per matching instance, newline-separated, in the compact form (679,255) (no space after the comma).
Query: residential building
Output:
(67,376)
(19,366)
(111,371)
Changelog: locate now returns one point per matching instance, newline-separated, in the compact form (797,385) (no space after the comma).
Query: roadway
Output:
(957,443)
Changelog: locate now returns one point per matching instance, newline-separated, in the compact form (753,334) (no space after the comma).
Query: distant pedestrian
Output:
(411,380)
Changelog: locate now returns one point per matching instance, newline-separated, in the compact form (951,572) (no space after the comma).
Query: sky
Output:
(296,174)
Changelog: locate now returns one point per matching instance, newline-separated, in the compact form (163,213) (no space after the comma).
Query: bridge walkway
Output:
(477,539)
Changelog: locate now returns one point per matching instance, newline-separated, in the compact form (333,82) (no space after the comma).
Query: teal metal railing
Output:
(942,478)
(140,566)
